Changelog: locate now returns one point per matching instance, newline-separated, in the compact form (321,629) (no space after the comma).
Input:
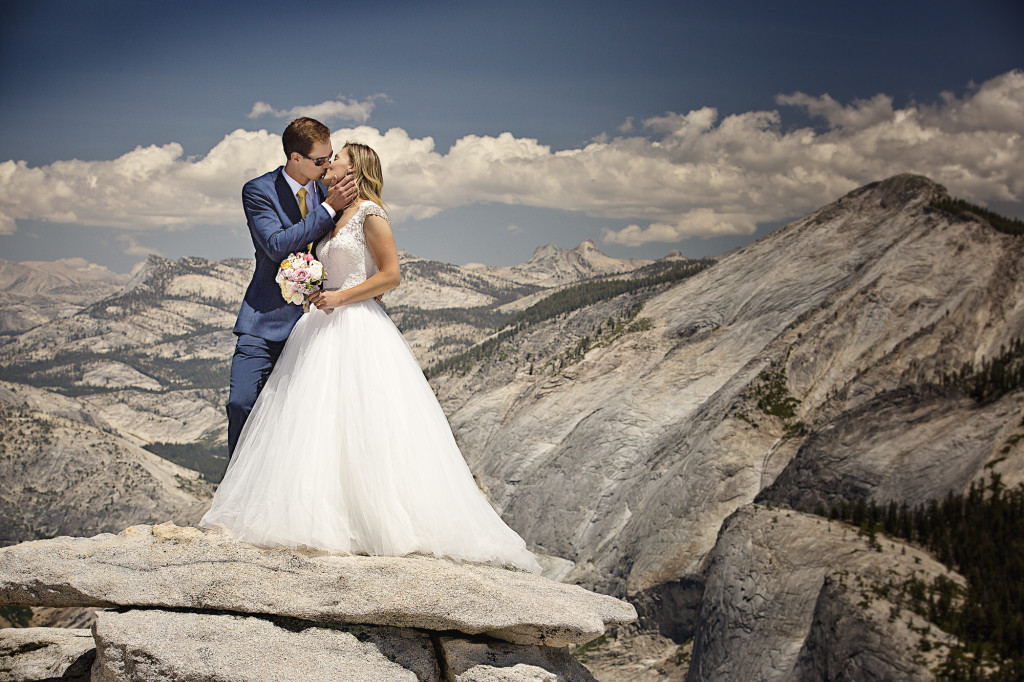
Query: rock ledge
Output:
(167,566)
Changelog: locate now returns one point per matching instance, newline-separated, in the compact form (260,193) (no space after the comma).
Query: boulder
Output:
(850,641)
(142,645)
(29,654)
(184,568)
(789,594)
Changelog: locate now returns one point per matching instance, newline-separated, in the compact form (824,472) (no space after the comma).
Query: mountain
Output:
(429,285)
(550,266)
(32,292)
(67,472)
(444,310)
(810,367)
(145,360)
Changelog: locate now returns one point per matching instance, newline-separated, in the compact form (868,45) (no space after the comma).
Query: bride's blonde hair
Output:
(366,172)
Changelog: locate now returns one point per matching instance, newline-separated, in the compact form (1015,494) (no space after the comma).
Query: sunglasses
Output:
(318,161)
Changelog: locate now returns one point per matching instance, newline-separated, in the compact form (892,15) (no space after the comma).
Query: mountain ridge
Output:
(712,339)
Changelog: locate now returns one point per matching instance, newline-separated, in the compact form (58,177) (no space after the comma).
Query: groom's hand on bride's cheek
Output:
(348,185)
(342,192)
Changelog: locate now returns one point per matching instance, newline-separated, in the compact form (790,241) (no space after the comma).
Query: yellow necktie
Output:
(303,211)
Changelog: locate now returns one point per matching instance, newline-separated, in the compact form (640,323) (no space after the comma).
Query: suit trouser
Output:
(251,364)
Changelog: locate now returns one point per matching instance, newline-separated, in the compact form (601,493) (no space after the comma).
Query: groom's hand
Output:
(342,193)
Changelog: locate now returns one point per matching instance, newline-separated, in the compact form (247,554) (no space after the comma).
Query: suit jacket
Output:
(272,213)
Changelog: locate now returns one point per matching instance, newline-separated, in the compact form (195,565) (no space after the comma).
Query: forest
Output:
(980,534)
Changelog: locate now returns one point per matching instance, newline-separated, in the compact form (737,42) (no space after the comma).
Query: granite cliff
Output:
(805,369)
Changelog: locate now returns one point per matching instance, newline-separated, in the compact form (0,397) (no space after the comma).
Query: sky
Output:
(129,128)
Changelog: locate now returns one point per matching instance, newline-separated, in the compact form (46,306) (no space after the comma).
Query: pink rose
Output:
(302,276)
(308,257)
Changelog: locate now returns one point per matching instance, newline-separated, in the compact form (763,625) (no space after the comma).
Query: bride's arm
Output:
(382,246)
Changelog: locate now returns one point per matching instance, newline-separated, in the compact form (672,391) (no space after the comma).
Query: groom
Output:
(286,211)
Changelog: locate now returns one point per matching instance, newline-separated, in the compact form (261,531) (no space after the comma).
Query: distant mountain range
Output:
(145,358)
(640,422)
(34,292)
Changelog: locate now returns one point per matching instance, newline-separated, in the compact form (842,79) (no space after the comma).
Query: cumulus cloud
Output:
(341,109)
(700,222)
(148,188)
(668,178)
(131,246)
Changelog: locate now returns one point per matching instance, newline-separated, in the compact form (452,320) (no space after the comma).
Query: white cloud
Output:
(672,177)
(861,114)
(700,222)
(341,109)
(148,188)
(131,246)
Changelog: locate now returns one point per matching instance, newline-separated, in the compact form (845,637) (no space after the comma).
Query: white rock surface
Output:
(904,446)
(139,646)
(118,375)
(30,654)
(183,416)
(170,566)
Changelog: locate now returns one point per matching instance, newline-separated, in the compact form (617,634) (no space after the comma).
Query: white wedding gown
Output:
(347,449)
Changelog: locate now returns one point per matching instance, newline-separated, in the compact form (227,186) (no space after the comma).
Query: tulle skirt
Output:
(347,450)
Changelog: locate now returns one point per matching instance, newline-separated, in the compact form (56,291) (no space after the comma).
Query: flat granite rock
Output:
(143,645)
(29,654)
(167,566)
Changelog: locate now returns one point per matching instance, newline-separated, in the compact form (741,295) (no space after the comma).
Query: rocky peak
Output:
(144,277)
(545,251)
(902,190)
(553,266)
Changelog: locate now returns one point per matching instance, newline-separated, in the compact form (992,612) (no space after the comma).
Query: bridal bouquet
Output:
(299,276)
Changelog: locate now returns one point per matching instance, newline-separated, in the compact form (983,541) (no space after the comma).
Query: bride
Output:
(347,449)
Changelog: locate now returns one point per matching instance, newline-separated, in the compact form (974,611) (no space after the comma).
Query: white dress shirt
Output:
(310,194)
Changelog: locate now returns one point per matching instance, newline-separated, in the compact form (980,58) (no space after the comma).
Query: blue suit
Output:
(265,319)
(272,213)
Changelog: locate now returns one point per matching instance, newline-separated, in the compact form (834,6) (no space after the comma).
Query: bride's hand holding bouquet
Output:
(299,276)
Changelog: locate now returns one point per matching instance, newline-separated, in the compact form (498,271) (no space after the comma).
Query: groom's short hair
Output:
(302,133)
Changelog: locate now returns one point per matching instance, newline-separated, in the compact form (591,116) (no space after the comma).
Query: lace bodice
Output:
(346,258)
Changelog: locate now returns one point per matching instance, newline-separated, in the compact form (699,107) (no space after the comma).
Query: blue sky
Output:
(646,126)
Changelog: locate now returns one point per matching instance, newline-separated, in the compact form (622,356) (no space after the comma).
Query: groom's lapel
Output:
(319,200)
(289,202)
